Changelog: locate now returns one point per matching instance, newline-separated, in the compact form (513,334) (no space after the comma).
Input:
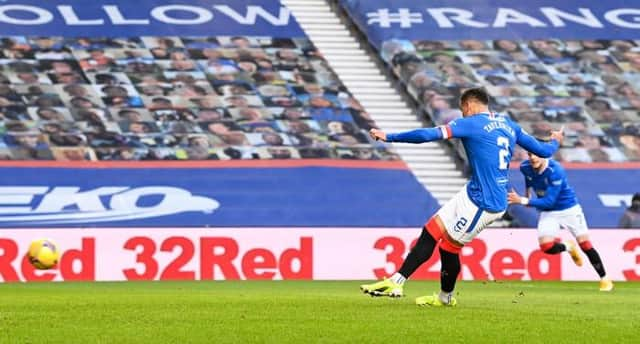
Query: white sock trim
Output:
(445,297)
(397,278)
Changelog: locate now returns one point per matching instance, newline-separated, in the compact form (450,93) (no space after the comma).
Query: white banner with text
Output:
(119,254)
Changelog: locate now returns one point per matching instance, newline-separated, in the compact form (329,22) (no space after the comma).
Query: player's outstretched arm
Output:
(546,202)
(541,149)
(549,199)
(412,136)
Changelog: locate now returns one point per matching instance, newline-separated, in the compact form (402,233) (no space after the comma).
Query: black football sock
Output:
(553,247)
(419,254)
(449,271)
(595,260)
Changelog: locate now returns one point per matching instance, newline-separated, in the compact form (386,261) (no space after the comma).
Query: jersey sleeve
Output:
(416,136)
(555,181)
(461,127)
(531,144)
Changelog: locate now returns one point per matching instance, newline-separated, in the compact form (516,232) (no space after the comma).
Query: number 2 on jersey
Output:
(504,152)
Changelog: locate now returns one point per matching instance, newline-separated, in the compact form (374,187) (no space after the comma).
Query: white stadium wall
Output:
(117,254)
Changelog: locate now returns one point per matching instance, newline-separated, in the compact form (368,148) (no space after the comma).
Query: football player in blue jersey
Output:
(559,208)
(488,139)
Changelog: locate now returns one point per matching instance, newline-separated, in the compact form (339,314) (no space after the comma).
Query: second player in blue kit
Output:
(559,209)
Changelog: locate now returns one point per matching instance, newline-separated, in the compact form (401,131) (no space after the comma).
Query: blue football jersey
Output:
(551,187)
(489,140)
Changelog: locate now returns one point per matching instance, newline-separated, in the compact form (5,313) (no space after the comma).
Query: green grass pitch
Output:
(310,312)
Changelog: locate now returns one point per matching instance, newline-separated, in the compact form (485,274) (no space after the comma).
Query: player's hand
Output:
(378,135)
(513,197)
(558,135)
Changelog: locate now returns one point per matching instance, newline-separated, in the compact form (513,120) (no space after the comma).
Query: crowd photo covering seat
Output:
(176,98)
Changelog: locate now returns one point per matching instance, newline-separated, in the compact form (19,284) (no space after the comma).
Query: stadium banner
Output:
(603,193)
(215,193)
(120,254)
(384,20)
(118,18)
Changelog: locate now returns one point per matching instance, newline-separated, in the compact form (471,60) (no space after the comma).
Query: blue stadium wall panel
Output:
(366,194)
(121,18)
(383,20)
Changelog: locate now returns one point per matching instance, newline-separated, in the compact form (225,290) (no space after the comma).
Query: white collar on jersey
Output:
(546,165)
(489,114)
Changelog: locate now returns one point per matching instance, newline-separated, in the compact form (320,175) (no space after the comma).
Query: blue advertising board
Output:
(243,196)
(383,20)
(101,18)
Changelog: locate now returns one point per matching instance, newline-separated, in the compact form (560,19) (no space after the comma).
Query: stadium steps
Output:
(324,26)
(333,39)
(437,181)
(317,13)
(382,117)
(350,75)
(433,172)
(415,148)
(446,188)
(369,85)
(354,58)
(438,194)
(431,163)
(422,165)
(430,158)
(350,66)
(328,33)
(395,112)
(370,90)
(379,96)
(316,4)
(396,126)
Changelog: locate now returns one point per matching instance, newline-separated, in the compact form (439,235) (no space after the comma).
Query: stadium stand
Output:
(176,98)
(586,85)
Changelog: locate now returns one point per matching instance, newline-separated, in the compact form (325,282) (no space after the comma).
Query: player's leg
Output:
(460,229)
(592,253)
(448,274)
(453,216)
(431,234)
(420,253)
(579,229)
(595,260)
(548,228)
(550,245)
(449,271)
